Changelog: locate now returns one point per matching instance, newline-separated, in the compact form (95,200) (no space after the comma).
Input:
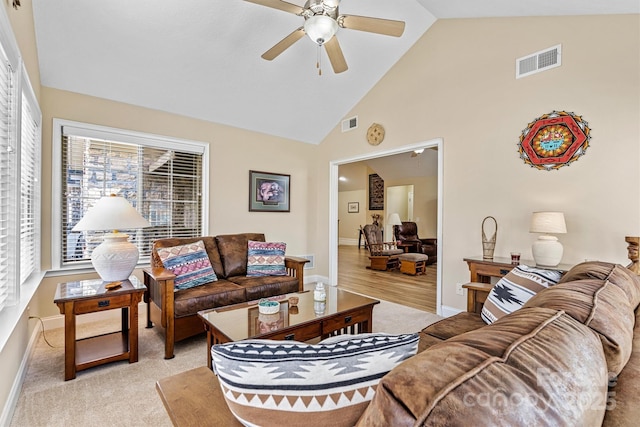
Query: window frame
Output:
(121,136)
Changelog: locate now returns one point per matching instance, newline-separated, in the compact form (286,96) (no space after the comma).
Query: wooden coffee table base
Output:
(355,321)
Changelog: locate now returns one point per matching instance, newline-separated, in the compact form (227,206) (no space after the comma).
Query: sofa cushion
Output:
(265,258)
(211,295)
(514,289)
(625,389)
(266,286)
(614,273)
(190,263)
(449,327)
(535,367)
(209,244)
(600,305)
(233,252)
(269,382)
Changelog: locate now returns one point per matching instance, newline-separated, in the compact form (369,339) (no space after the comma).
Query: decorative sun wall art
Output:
(554,140)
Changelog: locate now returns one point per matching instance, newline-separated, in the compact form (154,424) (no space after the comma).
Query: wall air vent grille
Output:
(311,264)
(350,124)
(539,61)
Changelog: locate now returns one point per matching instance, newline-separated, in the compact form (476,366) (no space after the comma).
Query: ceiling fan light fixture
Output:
(320,28)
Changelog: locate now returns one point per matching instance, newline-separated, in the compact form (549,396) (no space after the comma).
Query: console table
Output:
(90,296)
(482,270)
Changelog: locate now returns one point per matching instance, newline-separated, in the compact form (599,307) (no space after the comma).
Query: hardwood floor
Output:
(413,291)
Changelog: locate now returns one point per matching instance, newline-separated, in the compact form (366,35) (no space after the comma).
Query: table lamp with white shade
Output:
(547,250)
(115,258)
(394,220)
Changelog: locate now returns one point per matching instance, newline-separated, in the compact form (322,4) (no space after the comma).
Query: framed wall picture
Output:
(353,207)
(269,192)
(376,192)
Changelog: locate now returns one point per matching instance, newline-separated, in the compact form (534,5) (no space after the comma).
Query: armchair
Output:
(408,233)
(383,255)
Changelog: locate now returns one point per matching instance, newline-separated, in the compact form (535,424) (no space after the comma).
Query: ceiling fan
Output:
(321,21)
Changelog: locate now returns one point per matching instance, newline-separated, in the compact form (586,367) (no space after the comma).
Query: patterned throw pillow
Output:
(266,259)
(283,383)
(190,263)
(514,289)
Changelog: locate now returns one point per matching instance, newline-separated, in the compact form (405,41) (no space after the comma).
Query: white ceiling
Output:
(201,58)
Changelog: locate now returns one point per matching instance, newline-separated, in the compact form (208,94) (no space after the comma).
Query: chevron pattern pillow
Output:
(266,259)
(514,289)
(283,383)
(190,263)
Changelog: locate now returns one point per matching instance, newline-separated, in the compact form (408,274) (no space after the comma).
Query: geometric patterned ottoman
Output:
(412,263)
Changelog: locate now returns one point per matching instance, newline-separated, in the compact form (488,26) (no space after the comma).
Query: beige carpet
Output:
(123,394)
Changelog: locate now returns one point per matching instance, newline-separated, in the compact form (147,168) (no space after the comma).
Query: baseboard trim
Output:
(14,394)
(347,241)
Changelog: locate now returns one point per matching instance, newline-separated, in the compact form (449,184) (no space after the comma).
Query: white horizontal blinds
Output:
(8,171)
(162,184)
(30,191)
(171,195)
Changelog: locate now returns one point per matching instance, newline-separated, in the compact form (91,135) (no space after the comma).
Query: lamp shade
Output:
(111,213)
(394,219)
(548,222)
(115,258)
(547,250)
(320,28)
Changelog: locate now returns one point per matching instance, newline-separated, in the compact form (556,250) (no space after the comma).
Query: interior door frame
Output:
(333,206)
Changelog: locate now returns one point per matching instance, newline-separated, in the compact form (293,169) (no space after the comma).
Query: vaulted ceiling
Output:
(201,58)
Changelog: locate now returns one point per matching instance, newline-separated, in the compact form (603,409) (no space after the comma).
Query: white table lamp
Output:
(115,258)
(394,220)
(547,250)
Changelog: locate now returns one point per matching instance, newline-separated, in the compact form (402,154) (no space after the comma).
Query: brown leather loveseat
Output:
(177,312)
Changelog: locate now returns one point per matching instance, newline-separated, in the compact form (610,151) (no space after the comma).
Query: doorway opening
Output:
(436,144)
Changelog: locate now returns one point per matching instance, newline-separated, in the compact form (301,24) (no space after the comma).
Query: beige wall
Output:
(350,222)
(458,83)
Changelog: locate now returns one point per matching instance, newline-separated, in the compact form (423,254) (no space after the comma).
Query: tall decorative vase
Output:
(489,244)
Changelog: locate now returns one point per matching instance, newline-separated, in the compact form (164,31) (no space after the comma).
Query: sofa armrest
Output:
(477,294)
(160,283)
(295,268)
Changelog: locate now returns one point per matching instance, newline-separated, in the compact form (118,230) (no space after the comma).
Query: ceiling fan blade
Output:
(336,57)
(387,27)
(280,5)
(283,44)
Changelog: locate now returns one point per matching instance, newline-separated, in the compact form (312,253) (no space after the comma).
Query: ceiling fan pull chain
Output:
(318,60)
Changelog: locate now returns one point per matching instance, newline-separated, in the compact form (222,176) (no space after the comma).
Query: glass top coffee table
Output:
(342,313)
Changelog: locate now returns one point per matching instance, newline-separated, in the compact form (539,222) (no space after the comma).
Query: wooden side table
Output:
(90,296)
(482,270)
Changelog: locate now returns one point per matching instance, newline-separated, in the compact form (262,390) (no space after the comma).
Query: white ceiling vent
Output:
(350,124)
(539,61)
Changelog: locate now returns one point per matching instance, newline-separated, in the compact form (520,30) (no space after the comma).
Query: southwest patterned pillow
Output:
(190,263)
(514,289)
(284,383)
(266,259)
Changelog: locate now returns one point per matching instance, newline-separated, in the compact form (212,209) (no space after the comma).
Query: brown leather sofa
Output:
(569,357)
(177,312)
(408,233)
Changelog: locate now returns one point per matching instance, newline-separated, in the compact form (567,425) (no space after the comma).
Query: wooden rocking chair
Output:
(383,255)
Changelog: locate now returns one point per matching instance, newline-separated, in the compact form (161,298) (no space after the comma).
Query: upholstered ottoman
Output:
(413,263)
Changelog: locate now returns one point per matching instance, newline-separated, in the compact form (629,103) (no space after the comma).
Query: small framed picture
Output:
(353,207)
(269,192)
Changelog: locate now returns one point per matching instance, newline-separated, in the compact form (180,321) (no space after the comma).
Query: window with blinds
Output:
(8,174)
(29,190)
(163,181)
